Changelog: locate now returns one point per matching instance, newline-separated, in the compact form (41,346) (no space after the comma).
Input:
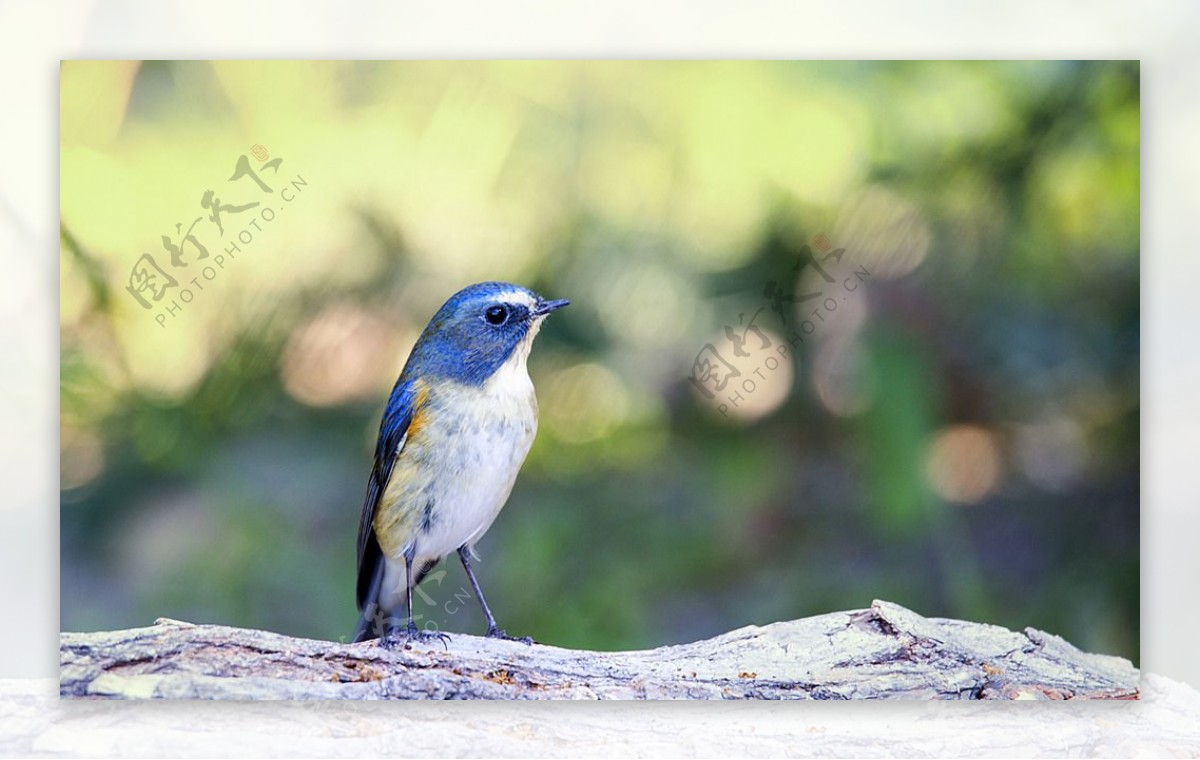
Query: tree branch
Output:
(885,652)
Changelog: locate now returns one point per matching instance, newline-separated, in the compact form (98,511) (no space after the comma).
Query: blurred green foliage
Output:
(959,434)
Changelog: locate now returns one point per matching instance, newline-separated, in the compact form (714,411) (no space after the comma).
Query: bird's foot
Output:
(498,633)
(396,639)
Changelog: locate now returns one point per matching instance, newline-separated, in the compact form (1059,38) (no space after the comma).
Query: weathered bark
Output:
(885,652)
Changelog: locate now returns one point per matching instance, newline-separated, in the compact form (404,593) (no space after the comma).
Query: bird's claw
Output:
(498,633)
(397,639)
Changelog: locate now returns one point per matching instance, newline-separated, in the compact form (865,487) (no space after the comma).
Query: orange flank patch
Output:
(420,416)
(395,520)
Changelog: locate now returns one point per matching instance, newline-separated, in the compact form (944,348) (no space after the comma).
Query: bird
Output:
(457,427)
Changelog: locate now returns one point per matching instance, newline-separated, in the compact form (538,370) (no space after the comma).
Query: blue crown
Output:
(475,332)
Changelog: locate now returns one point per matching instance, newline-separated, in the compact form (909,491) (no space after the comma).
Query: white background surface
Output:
(35,35)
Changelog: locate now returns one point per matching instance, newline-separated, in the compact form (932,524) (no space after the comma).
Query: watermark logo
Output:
(727,380)
(166,292)
(382,623)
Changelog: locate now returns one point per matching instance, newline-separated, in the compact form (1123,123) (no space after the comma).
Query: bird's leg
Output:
(392,639)
(493,632)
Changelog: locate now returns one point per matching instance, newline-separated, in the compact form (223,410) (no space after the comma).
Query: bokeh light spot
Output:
(343,354)
(584,402)
(751,386)
(884,231)
(1052,453)
(842,378)
(81,457)
(963,464)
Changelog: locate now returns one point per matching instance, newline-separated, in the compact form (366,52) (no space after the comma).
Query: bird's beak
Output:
(545,307)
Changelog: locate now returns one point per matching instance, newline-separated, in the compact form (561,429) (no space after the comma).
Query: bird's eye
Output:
(496,315)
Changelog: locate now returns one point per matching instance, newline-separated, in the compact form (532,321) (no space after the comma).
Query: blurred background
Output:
(839,331)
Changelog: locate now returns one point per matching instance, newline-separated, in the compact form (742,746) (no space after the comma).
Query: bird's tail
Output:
(370,616)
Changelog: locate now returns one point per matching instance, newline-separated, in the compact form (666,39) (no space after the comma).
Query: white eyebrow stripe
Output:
(516,296)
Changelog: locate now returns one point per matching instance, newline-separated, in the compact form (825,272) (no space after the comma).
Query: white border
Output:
(35,35)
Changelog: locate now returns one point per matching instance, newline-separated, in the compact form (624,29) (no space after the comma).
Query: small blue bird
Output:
(460,420)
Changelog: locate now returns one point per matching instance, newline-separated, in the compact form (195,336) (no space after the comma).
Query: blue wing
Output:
(402,406)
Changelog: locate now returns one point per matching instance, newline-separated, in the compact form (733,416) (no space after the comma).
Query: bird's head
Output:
(477,330)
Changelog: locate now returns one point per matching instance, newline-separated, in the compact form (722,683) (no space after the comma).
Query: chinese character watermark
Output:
(728,383)
(149,282)
(380,623)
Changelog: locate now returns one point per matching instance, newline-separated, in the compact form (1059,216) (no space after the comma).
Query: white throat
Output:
(513,375)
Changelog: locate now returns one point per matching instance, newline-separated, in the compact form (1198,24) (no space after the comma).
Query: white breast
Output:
(485,434)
